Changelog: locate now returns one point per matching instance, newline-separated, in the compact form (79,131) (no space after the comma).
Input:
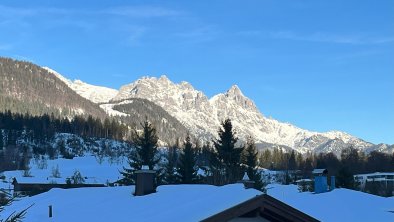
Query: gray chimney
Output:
(247,182)
(145,181)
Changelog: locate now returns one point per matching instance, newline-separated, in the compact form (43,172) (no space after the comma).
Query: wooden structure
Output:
(144,181)
(31,189)
(261,208)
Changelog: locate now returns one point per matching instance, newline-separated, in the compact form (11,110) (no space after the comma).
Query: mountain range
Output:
(178,108)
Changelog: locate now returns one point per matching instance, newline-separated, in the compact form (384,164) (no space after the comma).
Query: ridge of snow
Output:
(96,94)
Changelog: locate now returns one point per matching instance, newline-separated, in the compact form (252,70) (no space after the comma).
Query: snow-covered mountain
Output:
(202,116)
(96,94)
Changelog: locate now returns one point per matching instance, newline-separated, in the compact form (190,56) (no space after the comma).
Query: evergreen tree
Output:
(1,140)
(77,178)
(170,168)
(145,153)
(228,155)
(292,161)
(344,178)
(266,159)
(6,200)
(251,163)
(291,167)
(187,169)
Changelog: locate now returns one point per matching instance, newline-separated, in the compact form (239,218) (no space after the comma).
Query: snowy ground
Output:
(338,205)
(170,203)
(175,202)
(89,166)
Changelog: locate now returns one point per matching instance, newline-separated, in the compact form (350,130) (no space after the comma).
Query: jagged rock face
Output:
(202,116)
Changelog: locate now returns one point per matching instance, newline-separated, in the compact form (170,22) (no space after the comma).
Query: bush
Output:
(27,173)
(56,172)
(305,186)
(77,178)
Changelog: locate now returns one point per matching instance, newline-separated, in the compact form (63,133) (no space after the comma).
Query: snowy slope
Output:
(95,171)
(338,205)
(202,116)
(96,94)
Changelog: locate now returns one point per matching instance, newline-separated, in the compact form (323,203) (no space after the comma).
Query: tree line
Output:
(24,136)
(223,163)
(42,128)
(225,160)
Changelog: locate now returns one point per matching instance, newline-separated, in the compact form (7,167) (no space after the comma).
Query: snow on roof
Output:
(337,205)
(376,174)
(246,177)
(170,203)
(318,171)
(303,180)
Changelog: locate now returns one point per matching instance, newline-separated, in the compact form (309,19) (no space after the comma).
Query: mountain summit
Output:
(202,116)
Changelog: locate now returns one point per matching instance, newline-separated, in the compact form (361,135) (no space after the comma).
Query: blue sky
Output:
(321,65)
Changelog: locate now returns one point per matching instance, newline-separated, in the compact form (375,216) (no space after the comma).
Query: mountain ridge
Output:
(202,116)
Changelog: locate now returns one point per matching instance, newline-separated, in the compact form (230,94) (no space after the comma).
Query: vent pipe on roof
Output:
(247,182)
(332,186)
(145,181)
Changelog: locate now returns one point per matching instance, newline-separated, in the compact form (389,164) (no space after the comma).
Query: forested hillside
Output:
(168,128)
(28,88)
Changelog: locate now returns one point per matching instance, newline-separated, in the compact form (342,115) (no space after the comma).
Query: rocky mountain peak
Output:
(234,91)
(235,95)
(164,79)
(202,116)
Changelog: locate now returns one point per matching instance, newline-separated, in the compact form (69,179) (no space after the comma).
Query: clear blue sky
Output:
(321,65)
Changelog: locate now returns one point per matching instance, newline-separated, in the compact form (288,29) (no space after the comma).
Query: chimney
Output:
(144,181)
(321,185)
(247,182)
(332,186)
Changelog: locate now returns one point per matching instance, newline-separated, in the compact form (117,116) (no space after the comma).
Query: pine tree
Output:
(1,140)
(291,166)
(187,169)
(251,163)
(228,155)
(292,161)
(6,200)
(170,168)
(345,178)
(145,153)
(77,178)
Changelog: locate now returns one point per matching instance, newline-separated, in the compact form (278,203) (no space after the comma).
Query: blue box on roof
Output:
(321,184)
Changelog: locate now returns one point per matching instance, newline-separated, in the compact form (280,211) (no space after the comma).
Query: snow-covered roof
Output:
(319,171)
(170,203)
(337,205)
(376,174)
(303,180)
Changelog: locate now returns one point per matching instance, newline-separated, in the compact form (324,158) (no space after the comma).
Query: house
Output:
(387,179)
(37,188)
(260,208)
